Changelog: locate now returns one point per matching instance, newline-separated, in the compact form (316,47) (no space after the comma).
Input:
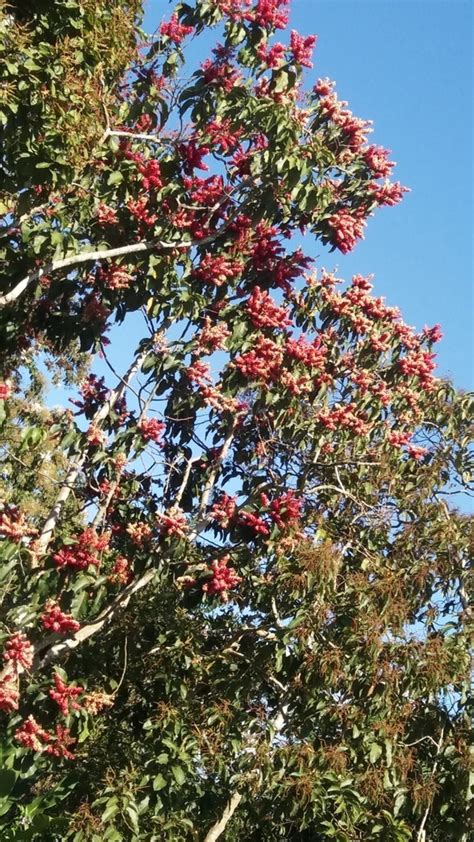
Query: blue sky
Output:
(406,65)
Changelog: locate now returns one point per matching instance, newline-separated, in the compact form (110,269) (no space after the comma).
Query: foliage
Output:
(240,580)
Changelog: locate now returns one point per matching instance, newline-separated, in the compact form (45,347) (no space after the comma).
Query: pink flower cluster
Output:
(216,270)
(223,579)
(18,655)
(5,391)
(262,363)
(223,510)
(264,312)
(285,511)
(13,524)
(31,735)
(174,30)
(65,695)
(151,429)
(83,553)
(212,336)
(347,227)
(173,523)
(57,621)
(302,48)
(345,417)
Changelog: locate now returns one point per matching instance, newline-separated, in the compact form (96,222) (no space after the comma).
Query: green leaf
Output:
(178,774)
(375,752)
(7,781)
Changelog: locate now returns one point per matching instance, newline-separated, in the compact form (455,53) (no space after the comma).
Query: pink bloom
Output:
(19,651)
(302,48)
(223,579)
(264,312)
(5,391)
(174,30)
(376,159)
(31,735)
(9,693)
(57,621)
(150,429)
(65,695)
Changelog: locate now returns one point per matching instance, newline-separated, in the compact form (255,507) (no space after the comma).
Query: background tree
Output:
(244,609)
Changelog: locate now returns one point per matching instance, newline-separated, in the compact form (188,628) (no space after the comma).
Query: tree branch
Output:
(218,828)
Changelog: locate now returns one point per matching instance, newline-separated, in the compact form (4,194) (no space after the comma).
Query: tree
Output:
(243,612)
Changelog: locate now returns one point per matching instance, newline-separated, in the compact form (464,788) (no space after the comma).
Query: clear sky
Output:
(406,65)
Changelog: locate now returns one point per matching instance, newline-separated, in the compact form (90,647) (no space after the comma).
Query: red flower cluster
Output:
(114,277)
(262,363)
(344,417)
(311,354)
(106,215)
(139,210)
(5,391)
(120,573)
(173,523)
(254,522)
(223,579)
(94,394)
(65,695)
(419,364)
(174,30)
(13,524)
(31,735)
(222,136)
(95,436)
(272,57)
(285,511)
(9,692)
(302,48)
(348,227)
(83,553)
(150,429)
(212,336)
(19,651)
(56,620)
(216,269)
(376,159)
(19,656)
(264,312)
(223,510)
(270,14)
(388,193)
(151,175)
(198,373)
(192,156)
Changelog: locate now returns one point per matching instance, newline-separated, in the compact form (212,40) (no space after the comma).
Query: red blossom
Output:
(19,651)
(106,215)
(5,391)
(376,159)
(223,510)
(120,573)
(302,48)
(347,227)
(212,336)
(192,156)
(173,523)
(57,621)
(151,429)
(223,579)
(264,312)
(261,363)
(65,695)
(31,735)
(254,522)
(9,692)
(217,269)
(174,30)
(271,14)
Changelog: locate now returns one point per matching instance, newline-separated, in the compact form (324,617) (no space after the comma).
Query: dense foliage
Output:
(234,596)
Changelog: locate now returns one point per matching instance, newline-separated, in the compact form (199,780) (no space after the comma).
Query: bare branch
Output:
(218,828)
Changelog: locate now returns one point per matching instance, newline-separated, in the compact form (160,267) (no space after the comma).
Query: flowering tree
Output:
(238,604)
